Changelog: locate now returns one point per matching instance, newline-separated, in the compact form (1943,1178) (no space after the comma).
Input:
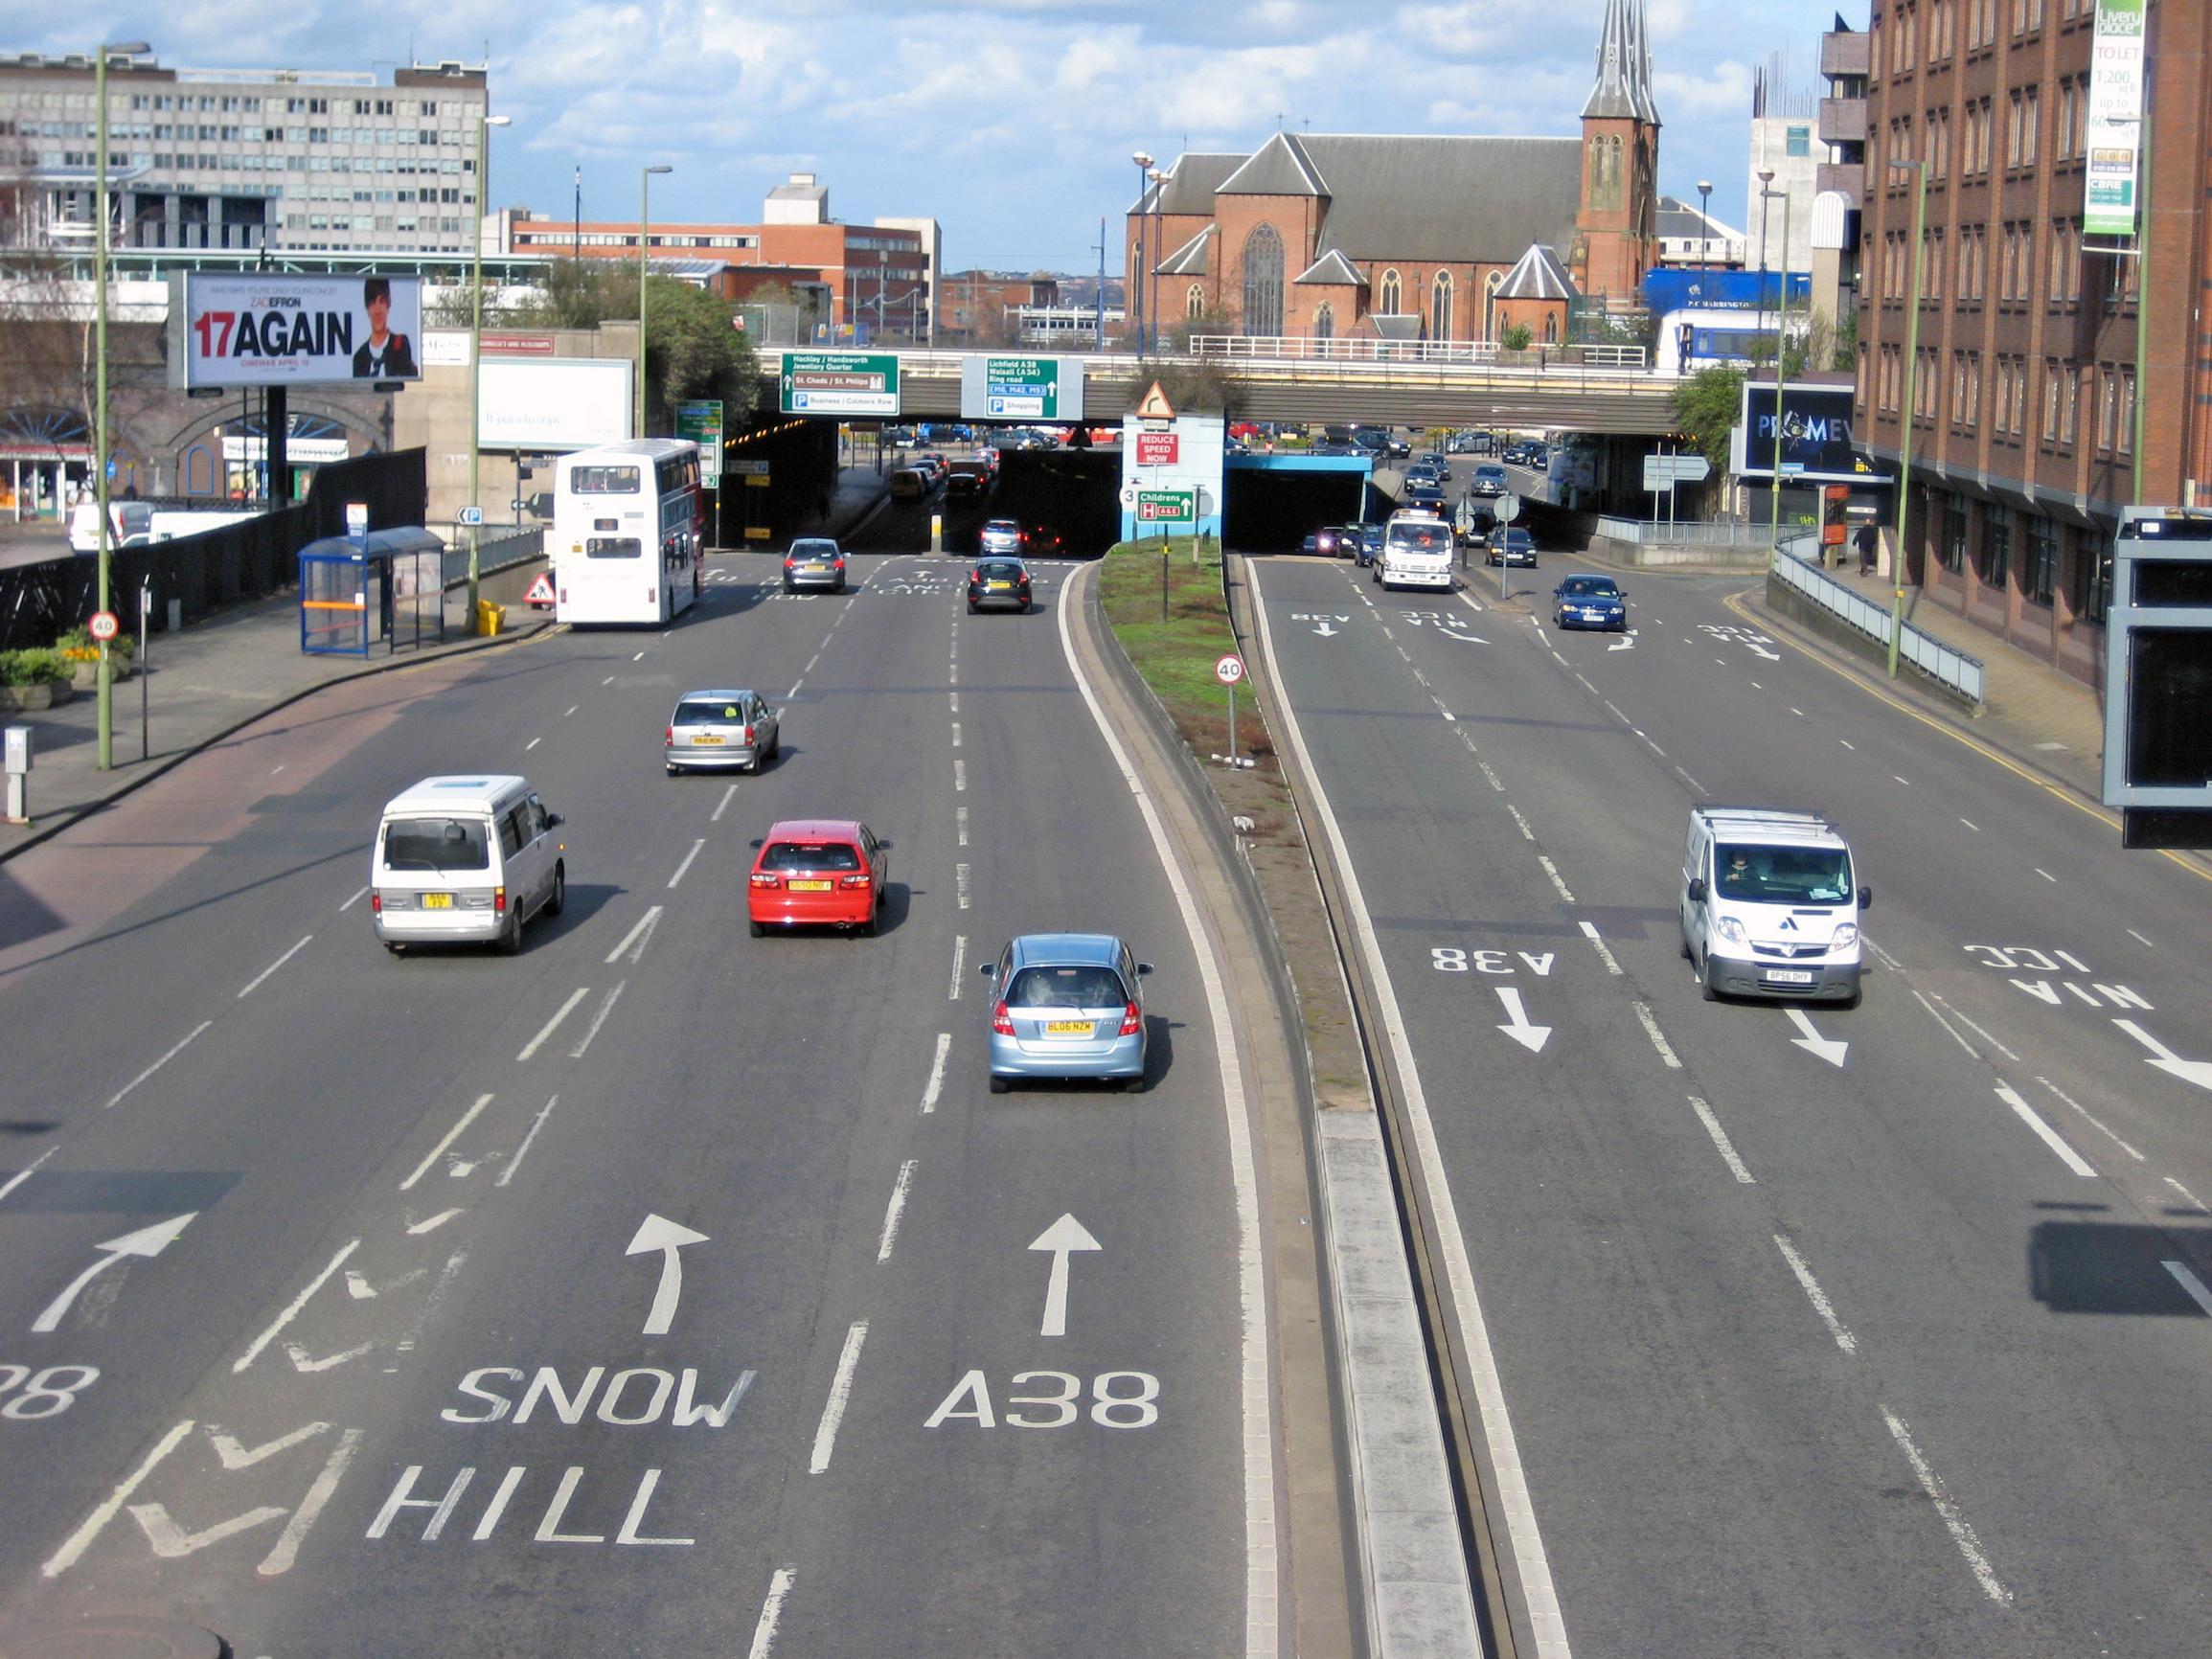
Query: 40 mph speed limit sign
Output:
(104,626)
(1229,669)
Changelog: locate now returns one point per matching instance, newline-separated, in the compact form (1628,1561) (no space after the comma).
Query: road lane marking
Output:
(1606,956)
(2140,940)
(794,691)
(1445,712)
(810,662)
(532,744)
(570,710)
(608,681)
(1953,1521)
(2046,875)
(359,895)
(1977,1031)
(2190,1283)
(1906,782)
(639,934)
(1972,825)
(1848,744)
(687,863)
(1526,833)
(1726,1149)
(960,817)
(292,1309)
(1492,776)
(254,984)
(2196,1202)
(956,733)
(960,881)
(936,1073)
(2093,1121)
(1658,1037)
(2044,1133)
(24,1174)
(545,1031)
(597,1019)
(1552,869)
(1799,712)
(960,775)
(1944,1023)
(451,1135)
(840,1392)
(1687,779)
(109,1507)
(286,1549)
(959,966)
(723,805)
(175,1048)
(1814,1293)
(639,658)
(1649,744)
(771,1614)
(956,697)
(895,1209)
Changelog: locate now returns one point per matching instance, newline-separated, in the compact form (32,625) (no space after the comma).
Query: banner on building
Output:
(2116,120)
(268,329)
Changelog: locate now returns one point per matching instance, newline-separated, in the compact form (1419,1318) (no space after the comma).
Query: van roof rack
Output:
(1764,814)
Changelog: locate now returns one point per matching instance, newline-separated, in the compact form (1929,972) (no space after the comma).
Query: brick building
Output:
(2025,427)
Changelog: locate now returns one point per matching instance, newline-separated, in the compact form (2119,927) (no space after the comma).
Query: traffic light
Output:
(2159,679)
(1832,497)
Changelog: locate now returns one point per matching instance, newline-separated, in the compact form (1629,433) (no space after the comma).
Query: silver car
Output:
(1003,535)
(1067,1005)
(815,561)
(723,729)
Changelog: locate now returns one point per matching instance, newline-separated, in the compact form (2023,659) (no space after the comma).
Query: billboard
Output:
(269,329)
(1816,441)
(2115,124)
(554,405)
(1697,289)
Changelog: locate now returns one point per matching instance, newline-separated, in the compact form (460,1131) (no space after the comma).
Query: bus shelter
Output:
(359,594)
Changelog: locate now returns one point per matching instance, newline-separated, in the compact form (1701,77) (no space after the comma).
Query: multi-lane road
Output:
(662,1290)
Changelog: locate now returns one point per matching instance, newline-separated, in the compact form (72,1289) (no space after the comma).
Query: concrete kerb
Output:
(70,816)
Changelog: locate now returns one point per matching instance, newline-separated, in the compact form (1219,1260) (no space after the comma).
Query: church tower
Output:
(1616,231)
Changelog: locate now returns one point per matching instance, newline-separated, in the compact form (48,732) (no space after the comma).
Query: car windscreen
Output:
(810,856)
(710,711)
(1072,986)
(1423,537)
(1783,874)
(437,844)
(604,481)
(1589,587)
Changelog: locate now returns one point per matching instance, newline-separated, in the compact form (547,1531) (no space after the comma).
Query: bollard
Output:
(16,745)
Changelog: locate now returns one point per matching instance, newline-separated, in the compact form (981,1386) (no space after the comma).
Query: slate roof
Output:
(1464,199)
(1624,84)
(1537,275)
(1190,184)
(1395,325)
(1681,221)
(1331,270)
(1189,259)
(1280,167)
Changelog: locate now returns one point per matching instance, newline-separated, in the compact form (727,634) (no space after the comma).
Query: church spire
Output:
(1624,84)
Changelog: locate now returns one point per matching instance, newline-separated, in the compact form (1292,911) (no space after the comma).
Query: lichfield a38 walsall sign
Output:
(269,329)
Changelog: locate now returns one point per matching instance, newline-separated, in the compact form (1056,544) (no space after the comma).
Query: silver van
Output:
(1768,905)
(464,860)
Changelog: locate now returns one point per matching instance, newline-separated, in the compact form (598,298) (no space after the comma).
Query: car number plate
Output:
(808,886)
(437,901)
(999,586)
(710,737)
(1067,1028)
(1789,976)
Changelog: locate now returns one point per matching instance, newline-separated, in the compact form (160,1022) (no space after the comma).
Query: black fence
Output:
(217,568)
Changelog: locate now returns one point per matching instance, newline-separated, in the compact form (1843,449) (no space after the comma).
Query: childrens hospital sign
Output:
(263,328)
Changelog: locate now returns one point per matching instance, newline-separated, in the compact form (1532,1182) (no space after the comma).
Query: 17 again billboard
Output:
(263,328)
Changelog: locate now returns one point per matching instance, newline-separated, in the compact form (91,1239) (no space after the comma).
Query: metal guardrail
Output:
(1944,664)
(496,551)
(1304,349)
(1728,532)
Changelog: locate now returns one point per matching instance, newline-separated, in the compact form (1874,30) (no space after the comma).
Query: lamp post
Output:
(125,48)
(1766,190)
(1154,178)
(1705,223)
(1919,170)
(1780,332)
(1144,160)
(644,199)
(476,352)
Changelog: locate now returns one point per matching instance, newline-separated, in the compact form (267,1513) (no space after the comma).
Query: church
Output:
(1325,235)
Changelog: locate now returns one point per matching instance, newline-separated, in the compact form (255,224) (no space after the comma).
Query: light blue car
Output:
(1067,1005)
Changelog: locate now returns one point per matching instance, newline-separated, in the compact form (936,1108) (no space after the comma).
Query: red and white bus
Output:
(628,538)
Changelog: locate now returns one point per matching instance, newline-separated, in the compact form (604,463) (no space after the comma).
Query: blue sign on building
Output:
(1697,289)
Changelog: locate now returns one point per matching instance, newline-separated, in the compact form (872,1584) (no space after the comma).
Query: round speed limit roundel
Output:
(1229,669)
(103,625)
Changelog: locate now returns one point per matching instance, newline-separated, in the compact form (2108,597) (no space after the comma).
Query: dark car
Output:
(1326,541)
(1427,497)
(1590,601)
(998,581)
(1369,544)
(1510,544)
(1043,542)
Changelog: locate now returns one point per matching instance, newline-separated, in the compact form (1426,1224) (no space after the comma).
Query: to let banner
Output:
(2116,120)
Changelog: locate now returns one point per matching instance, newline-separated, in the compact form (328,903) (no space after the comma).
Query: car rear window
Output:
(1077,986)
(710,714)
(810,856)
(814,549)
(437,844)
(999,570)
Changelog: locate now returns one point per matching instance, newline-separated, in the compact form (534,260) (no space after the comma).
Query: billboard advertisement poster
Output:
(702,421)
(2116,120)
(1815,439)
(552,405)
(270,328)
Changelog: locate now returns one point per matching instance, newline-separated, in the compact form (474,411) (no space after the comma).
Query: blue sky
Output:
(1010,122)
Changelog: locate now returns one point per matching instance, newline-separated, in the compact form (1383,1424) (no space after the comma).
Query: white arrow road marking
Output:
(1531,1038)
(1626,644)
(1758,649)
(1326,631)
(1830,1048)
(2197,1072)
(1063,1236)
(169,1541)
(146,1241)
(1470,639)
(658,1233)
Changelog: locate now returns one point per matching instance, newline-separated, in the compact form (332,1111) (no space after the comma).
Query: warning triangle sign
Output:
(1154,405)
(542,590)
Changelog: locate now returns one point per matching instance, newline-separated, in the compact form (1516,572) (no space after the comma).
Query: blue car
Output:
(1590,601)
(1067,1005)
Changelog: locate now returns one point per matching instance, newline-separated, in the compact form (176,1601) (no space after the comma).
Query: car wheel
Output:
(558,902)
(867,928)
(972,607)
(999,1086)
(673,770)
(1028,605)
(1706,985)
(757,929)
(395,947)
(1858,994)
(511,942)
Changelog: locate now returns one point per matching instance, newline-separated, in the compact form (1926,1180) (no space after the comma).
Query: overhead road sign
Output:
(839,383)
(1021,388)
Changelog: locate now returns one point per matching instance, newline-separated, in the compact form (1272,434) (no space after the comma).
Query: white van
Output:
(1769,907)
(462,860)
(1416,552)
(132,525)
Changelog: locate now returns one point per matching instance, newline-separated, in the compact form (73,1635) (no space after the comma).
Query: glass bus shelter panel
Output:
(335,609)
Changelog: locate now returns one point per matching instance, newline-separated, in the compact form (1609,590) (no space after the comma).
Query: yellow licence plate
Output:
(808,886)
(1067,1028)
(699,737)
(437,901)
(999,586)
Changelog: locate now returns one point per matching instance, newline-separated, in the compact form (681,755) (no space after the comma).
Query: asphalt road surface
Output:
(336,1316)
(1819,1331)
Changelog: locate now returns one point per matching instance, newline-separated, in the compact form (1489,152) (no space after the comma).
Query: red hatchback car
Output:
(817,872)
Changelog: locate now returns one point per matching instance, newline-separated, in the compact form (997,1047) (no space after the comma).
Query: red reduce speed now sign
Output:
(1229,669)
(103,625)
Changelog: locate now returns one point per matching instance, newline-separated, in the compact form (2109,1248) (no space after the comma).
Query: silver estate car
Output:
(1002,535)
(723,729)
(1067,1005)
(815,561)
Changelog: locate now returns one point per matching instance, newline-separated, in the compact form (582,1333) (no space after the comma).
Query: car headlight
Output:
(1730,929)
(1845,938)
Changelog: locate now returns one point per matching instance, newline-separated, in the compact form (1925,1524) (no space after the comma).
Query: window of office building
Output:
(2088,574)
(1952,551)
(1997,544)
(2039,579)
(1798,141)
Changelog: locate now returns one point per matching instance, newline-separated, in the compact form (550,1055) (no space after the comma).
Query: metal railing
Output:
(1306,349)
(506,545)
(1944,664)
(1642,532)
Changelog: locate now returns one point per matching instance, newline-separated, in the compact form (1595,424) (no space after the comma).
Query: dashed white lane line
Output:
(254,983)
(1937,1015)
(450,1137)
(2093,1121)
(1816,1295)
(274,770)
(175,1048)
(1526,833)
(2046,875)
(959,967)
(1721,1141)
(960,821)
(1799,712)
(522,1151)
(1492,776)
(687,863)
(2140,940)
(1906,782)
(1978,1030)
(1687,779)
(2196,1203)
(2190,1285)
(959,775)
(771,1614)
(936,1083)
(1955,1522)
(1658,1037)
(1552,869)
(1404,653)
(2044,1133)
(552,1025)
(291,1310)
(956,733)
(597,1019)
(570,710)
(960,882)
(794,691)
(359,894)
(894,1209)
(1972,825)
(840,1393)
(723,805)
(532,744)
(24,1174)
(810,662)
(1604,955)
(639,658)
(608,681)
(640,935)
(956,697)
(1445,712)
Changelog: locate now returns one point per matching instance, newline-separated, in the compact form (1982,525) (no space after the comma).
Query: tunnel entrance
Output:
(1271,503)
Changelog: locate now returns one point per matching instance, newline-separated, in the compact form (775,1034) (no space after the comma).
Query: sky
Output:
(1010,122)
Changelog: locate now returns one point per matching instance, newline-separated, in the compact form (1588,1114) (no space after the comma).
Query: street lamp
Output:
(1705,223)
(1144,161)
(126,49)
(1781,334)
(1155,178)
(1766,190)
(1919,170)
(644,199)
(476,351)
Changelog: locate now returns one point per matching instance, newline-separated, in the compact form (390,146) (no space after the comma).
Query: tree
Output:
(693,349)
(1515,336)
(1706,408)
(1209,321)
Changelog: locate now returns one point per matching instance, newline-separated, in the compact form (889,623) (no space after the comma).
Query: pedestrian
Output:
(1866,542)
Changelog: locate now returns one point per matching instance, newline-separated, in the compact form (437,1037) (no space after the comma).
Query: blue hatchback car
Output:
(1067,1005)
(1590,601)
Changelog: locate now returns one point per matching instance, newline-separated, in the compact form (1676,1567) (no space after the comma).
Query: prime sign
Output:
(268,329)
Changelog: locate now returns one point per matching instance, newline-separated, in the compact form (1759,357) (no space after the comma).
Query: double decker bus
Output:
(628,538)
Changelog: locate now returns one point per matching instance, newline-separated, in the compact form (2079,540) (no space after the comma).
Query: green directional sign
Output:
(839,383)
(1021,388)
(1167,505)
(702,421)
